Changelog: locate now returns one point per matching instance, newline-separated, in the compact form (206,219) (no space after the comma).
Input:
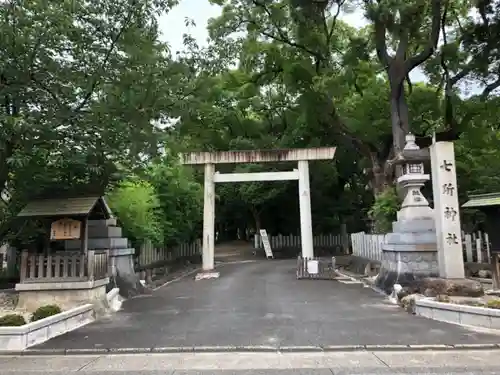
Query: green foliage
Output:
(161,203)
(384,209)
(493,304)
(12,320)
(83,87)
(45,311)
(275,74)
(180,199)
(137,206)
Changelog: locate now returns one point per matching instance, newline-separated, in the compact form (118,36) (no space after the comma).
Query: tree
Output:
(80,89)
(180,199)
(412,28)
(253,195)
(84,87)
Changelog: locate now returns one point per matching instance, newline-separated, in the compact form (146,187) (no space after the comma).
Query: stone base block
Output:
(65,294)
(207,275)
(386,279)
(405,268)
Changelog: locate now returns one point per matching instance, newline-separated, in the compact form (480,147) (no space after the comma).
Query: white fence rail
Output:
(150,255)
(367,245)
(476,246)
(293,241)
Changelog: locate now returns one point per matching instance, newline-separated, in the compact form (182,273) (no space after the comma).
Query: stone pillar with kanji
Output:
(446,209)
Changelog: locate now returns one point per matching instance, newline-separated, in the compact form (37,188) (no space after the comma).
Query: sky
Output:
(172,25)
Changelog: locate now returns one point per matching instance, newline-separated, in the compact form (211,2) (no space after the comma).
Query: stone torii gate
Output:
(301,156)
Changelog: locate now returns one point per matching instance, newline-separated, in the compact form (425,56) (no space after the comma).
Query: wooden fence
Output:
(324,269)
(293,241)
(367,245)
(476,246)
(64,267)
(150,255)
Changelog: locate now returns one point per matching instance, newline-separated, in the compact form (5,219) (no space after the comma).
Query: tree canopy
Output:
(93,101)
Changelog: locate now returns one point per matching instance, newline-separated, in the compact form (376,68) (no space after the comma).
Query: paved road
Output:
(262,303)
(471,362)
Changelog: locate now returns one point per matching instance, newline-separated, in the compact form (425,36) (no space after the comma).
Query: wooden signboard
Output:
(267,245)
(65,229)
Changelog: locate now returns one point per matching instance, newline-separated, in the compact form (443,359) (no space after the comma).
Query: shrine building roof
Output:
(483,200)
(75,206)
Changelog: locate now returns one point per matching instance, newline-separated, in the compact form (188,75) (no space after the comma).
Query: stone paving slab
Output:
(262,304)
(249,349)
(359,362)
(312,371)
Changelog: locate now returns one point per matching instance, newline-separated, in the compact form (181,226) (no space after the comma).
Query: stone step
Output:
(98,243)
(104,232)
(415,225)
(101,223)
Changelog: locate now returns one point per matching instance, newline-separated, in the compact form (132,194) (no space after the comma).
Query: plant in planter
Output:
(45,311)
(12,320)
(493,304)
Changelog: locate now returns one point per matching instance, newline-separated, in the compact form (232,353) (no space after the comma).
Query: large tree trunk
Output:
(380,178)
(5,152)
(399,107)
(256,218)
(399,119)
(399,114)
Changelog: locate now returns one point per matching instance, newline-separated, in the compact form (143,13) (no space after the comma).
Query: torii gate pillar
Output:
(208,254)
(306,233)
(301,156)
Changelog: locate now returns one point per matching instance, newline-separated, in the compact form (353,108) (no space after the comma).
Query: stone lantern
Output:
(413,179)
(410,250)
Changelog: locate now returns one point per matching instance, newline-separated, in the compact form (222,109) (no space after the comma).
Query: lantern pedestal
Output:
(410,251)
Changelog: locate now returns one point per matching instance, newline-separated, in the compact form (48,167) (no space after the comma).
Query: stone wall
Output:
(405,267)
(409,261)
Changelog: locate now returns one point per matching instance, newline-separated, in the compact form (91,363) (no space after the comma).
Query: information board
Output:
(266,244)
(65,229)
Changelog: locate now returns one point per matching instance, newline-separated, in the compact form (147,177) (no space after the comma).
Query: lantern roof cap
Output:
(410,142)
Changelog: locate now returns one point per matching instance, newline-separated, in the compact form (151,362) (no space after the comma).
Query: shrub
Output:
(45,311)
(137,206)
(493,304)
(384,210)
(443,298)
(12,320)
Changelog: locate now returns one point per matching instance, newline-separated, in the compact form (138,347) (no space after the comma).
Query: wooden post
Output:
(90,264)
(24,265)
(84,235)
(495,260)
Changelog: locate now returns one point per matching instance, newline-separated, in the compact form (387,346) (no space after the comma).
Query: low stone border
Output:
(361,266)
(20,338)
(253,349)
(458,314)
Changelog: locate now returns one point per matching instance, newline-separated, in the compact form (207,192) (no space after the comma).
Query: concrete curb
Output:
(251,349)
(180,277)
(365,283)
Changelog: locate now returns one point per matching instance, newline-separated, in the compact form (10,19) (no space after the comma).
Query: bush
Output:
(12,320)
(384,210)
(45,311)
(180,198)
(136,205)
(493,304)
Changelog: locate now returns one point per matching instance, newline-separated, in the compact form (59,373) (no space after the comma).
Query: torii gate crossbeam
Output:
(301,156)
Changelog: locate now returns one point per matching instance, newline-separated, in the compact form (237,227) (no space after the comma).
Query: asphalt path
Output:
(262,303)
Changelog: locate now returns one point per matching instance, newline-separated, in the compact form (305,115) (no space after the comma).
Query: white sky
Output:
(173,25)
